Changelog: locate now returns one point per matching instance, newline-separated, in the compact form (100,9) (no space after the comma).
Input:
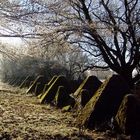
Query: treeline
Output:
(22,67)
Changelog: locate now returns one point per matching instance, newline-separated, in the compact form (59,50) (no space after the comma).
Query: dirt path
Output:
(22,117)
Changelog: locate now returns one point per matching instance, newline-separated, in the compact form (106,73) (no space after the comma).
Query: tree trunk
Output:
(127,75)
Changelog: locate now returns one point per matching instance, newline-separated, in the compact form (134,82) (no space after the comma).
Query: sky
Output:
(11,40)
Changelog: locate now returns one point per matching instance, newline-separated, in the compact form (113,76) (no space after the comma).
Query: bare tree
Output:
(107,30)
(60,51)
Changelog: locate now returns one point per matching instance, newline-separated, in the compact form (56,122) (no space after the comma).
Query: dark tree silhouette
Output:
(107,30)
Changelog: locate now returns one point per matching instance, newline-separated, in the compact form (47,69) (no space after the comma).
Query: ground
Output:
(22,117)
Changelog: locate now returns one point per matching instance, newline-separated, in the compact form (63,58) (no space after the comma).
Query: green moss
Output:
(81,100)
(63,98)
(66,108)
(128,115)
(37,88)
(46,86)
(39,96)
(49,95)
(33,85)
(91,84)
(59,94)
(89,107)
(81,86)
(105,102)
(121,114)
(52,80)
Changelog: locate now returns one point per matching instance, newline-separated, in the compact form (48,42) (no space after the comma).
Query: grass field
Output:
(22,117)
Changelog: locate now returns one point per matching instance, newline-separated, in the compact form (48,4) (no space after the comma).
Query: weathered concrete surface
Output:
(49,95)
(63,98)
(128,115)
(104,104)
(91,84)
(40,79)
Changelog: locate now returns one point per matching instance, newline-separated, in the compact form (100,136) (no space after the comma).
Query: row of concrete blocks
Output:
(96,103)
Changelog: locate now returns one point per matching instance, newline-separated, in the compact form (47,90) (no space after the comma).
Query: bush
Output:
(16,71)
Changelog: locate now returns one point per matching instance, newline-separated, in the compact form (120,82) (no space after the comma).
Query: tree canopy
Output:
(108,31)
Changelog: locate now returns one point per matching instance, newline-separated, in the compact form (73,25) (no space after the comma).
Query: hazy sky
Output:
(14,41)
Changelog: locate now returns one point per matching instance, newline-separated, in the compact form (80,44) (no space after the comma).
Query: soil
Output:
(22,117)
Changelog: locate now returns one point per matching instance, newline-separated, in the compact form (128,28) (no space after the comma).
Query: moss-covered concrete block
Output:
(82,99)
(38,88)
(69,105)
(91,84)
(46,86)
(49,95)
(66,108)
(128,115)
(74,85)
(52,80)
(104,104)
(28,83)
(63,98)
(85,97)
(33,85)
